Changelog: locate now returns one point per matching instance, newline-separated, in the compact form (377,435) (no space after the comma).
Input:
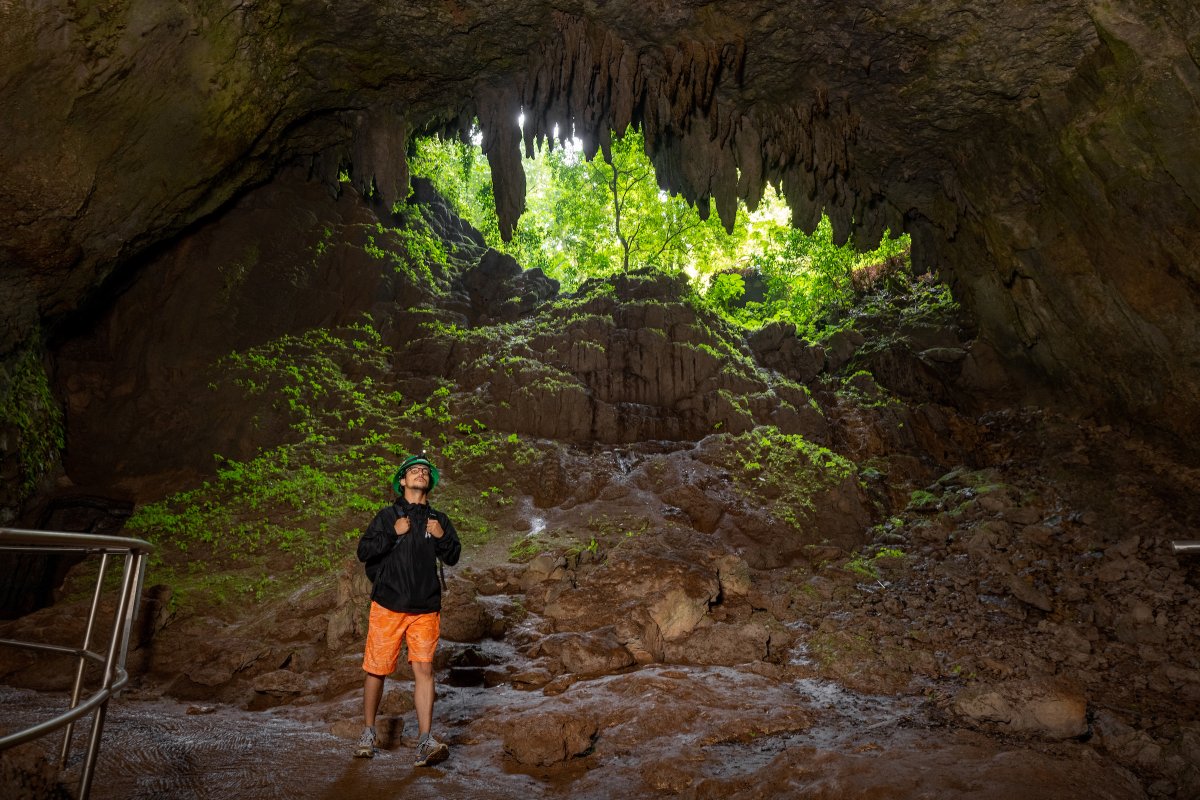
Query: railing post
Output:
(120,627)
(135,601)
(87,642)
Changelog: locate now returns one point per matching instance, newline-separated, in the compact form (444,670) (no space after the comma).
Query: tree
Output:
(586,219)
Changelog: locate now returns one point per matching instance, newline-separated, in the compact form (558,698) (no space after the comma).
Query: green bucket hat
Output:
(408,464)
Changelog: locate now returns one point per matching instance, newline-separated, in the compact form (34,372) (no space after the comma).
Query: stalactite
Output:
(800,191)
(870,223)
(378,154)
(502,146)
(590,83)
(750,162)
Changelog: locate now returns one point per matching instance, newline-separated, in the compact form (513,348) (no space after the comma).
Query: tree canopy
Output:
(588,218)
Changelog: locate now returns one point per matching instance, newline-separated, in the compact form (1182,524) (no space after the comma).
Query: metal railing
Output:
(1188,546)
(112,660)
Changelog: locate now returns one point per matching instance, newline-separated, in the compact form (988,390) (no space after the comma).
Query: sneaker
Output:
(366,744)
(431,752)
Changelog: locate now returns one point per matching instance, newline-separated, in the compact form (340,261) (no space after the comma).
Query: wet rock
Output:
(840,347)
(592,653)
(218,670)
(777,347)
(1020,515)
(1138,627)
(703,510)
(721,643)
(280,682)
(541,568)
(346,619)
(500,290)
(673,586)
(497,580)
(530,677)
(1037,708)
(943,355)
(26,774)
(668,776)
(1024,590)
(464,618)
(678,611)
(1036,535)
(734,576)
(551,737)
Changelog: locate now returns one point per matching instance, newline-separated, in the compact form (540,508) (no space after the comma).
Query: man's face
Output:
(416,478)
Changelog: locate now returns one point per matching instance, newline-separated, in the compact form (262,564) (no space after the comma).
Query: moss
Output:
(868,565)
(525,548)
(921,500)
(787,467)
(30,415)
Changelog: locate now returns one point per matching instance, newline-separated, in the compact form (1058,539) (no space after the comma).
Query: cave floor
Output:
(840,744)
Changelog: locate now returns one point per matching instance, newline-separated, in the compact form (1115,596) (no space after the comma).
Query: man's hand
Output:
(402,525)
(435,528)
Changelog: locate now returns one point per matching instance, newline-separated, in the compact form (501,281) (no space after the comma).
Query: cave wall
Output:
(1042,155)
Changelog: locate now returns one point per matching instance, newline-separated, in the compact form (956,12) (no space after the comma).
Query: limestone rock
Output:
(592,653)
(721,643)
(464,618)
(671,591)
(550,738)
(734,574)
(1032,708)
(280,682)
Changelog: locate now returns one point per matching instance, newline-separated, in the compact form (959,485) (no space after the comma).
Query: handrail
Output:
(134,552)
(1186,546)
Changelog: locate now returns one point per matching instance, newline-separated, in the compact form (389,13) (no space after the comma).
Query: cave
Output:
(166,167)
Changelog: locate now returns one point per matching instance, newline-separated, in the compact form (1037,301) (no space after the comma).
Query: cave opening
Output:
(592,215)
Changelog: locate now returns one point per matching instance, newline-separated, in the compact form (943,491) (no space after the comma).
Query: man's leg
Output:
(429,750)
(422,644)
(423,695)
(372,695)
(384,630)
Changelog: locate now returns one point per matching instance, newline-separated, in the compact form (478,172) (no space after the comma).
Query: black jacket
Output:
(403,569)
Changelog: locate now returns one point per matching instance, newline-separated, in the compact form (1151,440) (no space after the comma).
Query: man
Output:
(401,548)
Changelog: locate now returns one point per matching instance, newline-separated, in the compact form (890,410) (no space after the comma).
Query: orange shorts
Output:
(386,630)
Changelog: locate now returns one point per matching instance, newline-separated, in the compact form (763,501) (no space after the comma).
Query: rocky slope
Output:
(697,563)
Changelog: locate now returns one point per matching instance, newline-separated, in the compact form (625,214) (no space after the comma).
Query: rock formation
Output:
(1043,158)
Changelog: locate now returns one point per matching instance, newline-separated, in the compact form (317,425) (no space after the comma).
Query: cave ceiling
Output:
(1043,155)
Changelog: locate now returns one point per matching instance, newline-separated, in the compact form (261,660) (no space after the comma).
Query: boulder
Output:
(1043,709)
(721,643)
(280,682)
(550,737)
(589,653)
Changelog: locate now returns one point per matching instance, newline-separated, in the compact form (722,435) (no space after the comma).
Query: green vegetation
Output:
(592,218)
(786,469)
(27,404)
(295,510)
(525,548)
(868,565)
